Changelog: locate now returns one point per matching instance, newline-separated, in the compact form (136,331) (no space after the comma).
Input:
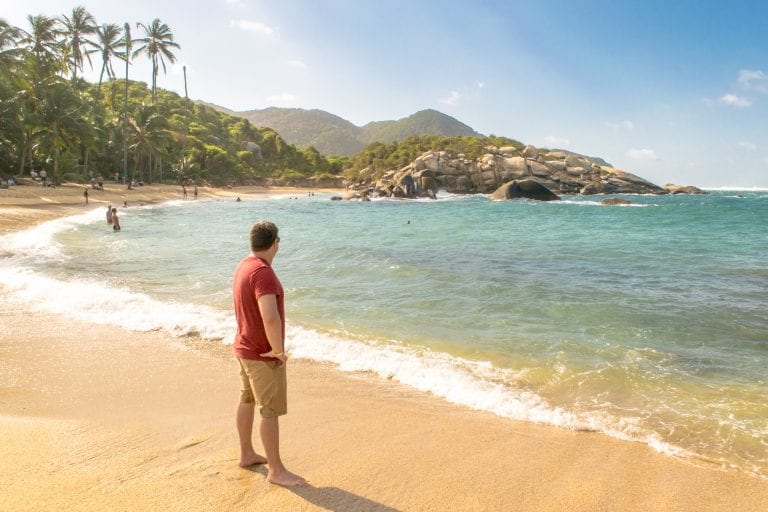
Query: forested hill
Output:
(328,133)
(333,135)
(424,122)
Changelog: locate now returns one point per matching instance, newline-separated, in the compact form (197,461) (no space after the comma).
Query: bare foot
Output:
(252,460)
(286,479)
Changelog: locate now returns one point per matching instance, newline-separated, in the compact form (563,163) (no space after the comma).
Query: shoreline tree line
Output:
(53,119)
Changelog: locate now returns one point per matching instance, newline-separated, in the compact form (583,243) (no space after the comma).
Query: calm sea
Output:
(646,322)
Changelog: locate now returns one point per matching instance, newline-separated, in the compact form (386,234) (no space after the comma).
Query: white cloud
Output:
(642,154)
(554,141)
(746,145)
(283,97)
(621,125)
(297,64)
(753,79)
(480,85)
(253,26)
(452,99)
(735,101)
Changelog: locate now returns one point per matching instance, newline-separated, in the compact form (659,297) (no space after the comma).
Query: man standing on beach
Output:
(260,349)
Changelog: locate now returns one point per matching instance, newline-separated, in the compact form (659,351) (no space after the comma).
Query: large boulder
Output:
(530,152)
(598,187)
(529,189)
(682,189)
(514,167)
(560,171)
(463,184)
(428,184)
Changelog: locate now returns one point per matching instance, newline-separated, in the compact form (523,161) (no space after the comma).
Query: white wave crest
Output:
(98,303)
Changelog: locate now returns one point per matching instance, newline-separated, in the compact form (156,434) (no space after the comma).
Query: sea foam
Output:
(475,384)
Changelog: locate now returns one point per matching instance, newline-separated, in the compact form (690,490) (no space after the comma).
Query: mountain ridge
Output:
(331,134)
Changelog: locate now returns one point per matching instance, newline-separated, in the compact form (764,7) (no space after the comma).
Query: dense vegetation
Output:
(50,118)
(424,122)
(379,157)
(329,133)
(333,135)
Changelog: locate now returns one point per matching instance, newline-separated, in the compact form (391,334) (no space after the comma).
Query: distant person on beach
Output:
(109,214)
(115,220)
(85,194)
(195,191)
(260,349)
(44,177)
(184,191)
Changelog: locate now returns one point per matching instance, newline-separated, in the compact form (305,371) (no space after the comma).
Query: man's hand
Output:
(282,356)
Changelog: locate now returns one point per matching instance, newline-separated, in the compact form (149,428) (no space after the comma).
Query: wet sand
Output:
(94,417)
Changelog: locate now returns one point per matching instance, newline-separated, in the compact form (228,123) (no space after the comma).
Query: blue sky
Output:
(672,91)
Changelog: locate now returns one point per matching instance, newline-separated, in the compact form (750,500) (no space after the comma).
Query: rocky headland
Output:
(557,171)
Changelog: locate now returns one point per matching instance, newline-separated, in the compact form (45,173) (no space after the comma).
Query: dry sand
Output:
(98,418)
(23,206)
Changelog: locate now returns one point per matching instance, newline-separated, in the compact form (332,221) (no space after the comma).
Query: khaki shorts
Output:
(264,382)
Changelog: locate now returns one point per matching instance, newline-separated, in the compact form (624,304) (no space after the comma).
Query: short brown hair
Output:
(263,235)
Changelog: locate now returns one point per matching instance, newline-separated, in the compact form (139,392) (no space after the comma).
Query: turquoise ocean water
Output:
(646,322)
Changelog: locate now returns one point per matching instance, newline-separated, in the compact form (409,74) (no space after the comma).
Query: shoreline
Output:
(126,420)
(23,206)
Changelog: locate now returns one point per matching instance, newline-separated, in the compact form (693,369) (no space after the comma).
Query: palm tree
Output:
(109,44)
(109,41)
(34,74)
(61,120)
(79,47)
(9,50)
(128,43)
(43,43)
(149,131)
(10,96)
(156,44)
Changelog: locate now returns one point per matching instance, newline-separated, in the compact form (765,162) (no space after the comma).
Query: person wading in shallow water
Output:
(115,220)
(260,349)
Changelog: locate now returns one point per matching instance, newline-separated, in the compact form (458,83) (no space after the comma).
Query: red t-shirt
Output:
(254,278)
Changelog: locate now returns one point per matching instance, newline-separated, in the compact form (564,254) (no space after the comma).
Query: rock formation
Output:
(615,201)
(562,172)
(682,189)
(528,189)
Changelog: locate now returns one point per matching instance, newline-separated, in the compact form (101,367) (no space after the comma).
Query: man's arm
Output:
(273,326)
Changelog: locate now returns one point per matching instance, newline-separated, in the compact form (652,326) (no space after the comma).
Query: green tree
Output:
(77,27)
(61,121)
(156,44)
(43,37)
(42,41)
(150,136)
(10,53)
(109,43)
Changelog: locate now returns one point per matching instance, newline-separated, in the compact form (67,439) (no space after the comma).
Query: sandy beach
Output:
(94,417)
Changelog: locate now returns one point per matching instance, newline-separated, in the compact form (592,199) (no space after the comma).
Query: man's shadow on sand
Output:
(332,498)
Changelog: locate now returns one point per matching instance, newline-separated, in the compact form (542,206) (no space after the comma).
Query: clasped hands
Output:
(281,356)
